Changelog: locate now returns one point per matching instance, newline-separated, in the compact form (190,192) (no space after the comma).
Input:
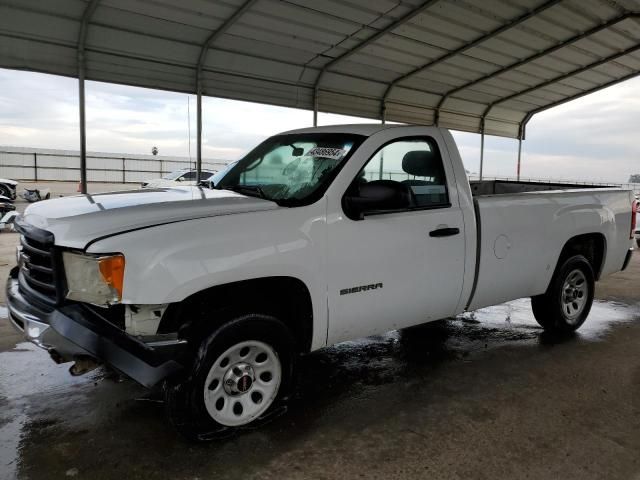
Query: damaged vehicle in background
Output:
(7,212)
(33,195)
(8,188)
(315,237)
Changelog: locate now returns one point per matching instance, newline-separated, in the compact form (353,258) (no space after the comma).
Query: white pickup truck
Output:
(317,236)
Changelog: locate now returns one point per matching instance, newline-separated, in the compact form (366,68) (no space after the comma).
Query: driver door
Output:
(393,268)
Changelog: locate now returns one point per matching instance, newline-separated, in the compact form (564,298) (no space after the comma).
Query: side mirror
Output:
(376,196)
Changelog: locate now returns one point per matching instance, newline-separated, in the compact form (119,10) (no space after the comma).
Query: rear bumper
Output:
(74,330)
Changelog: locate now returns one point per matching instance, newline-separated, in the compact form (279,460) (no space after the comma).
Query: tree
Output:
(635,178)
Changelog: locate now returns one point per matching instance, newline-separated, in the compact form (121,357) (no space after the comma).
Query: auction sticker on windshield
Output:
(326,152)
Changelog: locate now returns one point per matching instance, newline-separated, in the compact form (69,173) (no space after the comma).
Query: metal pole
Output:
(82,38)
(315,107)
(481,147)
(189,129)
(83,126)
(519,156)
(199,128)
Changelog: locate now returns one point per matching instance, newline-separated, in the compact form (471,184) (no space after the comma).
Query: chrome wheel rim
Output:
(242,383)
(574,295)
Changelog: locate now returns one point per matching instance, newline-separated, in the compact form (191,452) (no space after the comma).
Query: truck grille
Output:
(38,270)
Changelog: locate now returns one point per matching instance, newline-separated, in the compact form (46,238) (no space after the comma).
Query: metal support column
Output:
(315,107)
(519,157)
(200,66)
(83,124)
(199,134)
(481,147)
(82,67)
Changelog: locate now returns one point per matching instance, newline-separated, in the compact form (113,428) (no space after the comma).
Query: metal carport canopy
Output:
(477,66)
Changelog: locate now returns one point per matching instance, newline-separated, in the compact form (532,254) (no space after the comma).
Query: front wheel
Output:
(566,304)
(240,375)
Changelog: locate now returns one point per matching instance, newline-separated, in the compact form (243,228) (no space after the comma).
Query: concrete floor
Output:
(485,395)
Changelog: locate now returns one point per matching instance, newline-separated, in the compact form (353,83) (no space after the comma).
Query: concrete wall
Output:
(38,164)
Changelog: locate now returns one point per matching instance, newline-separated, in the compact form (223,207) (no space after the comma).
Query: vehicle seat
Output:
(430,189)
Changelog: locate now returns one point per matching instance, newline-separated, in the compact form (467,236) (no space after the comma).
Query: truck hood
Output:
(77,220)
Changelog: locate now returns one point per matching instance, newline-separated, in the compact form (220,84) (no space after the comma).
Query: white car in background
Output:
(213,180)
(183,177)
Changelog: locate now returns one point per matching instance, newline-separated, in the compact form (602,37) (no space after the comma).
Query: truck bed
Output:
(504,187)
(521,235)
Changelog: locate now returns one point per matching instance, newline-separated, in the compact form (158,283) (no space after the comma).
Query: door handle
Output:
(444,232)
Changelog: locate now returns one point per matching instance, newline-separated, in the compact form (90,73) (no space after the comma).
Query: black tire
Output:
(638,242)
(554,310)
(4,191)
(184,397)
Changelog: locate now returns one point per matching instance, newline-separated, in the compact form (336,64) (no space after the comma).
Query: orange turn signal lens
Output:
(112,271)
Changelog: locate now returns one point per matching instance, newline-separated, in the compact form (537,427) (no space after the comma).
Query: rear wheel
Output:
(4,191)
(566,304)
(241,374)
(638,242)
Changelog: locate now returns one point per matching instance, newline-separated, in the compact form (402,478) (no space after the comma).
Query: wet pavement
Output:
(484,395)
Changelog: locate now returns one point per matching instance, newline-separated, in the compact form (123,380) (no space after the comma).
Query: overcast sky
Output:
(595,138)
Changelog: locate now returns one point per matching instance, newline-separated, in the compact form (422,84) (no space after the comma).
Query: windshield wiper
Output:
(248,189)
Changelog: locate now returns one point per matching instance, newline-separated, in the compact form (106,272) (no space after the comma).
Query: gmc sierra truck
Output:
(315,237)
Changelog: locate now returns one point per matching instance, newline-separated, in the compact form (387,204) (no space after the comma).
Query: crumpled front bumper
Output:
(74,331)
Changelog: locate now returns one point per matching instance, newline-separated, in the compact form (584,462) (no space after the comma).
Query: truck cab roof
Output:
(366,129)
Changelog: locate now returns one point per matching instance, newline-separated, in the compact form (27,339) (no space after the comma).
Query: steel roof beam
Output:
(82,67)
(542,53)
(221,30)
(365,43)
(578,71)
(201,59)
(511,24)
(530,114)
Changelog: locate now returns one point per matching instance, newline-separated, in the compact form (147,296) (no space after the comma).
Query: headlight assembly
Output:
(94,279)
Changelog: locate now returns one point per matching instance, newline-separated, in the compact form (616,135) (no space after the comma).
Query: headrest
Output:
(420,163)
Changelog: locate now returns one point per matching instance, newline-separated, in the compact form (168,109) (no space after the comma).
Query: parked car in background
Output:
(315,237)
(8,188)
(184,177)
(213,180)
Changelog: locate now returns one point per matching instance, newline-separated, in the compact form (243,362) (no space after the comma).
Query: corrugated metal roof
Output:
(450,62)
